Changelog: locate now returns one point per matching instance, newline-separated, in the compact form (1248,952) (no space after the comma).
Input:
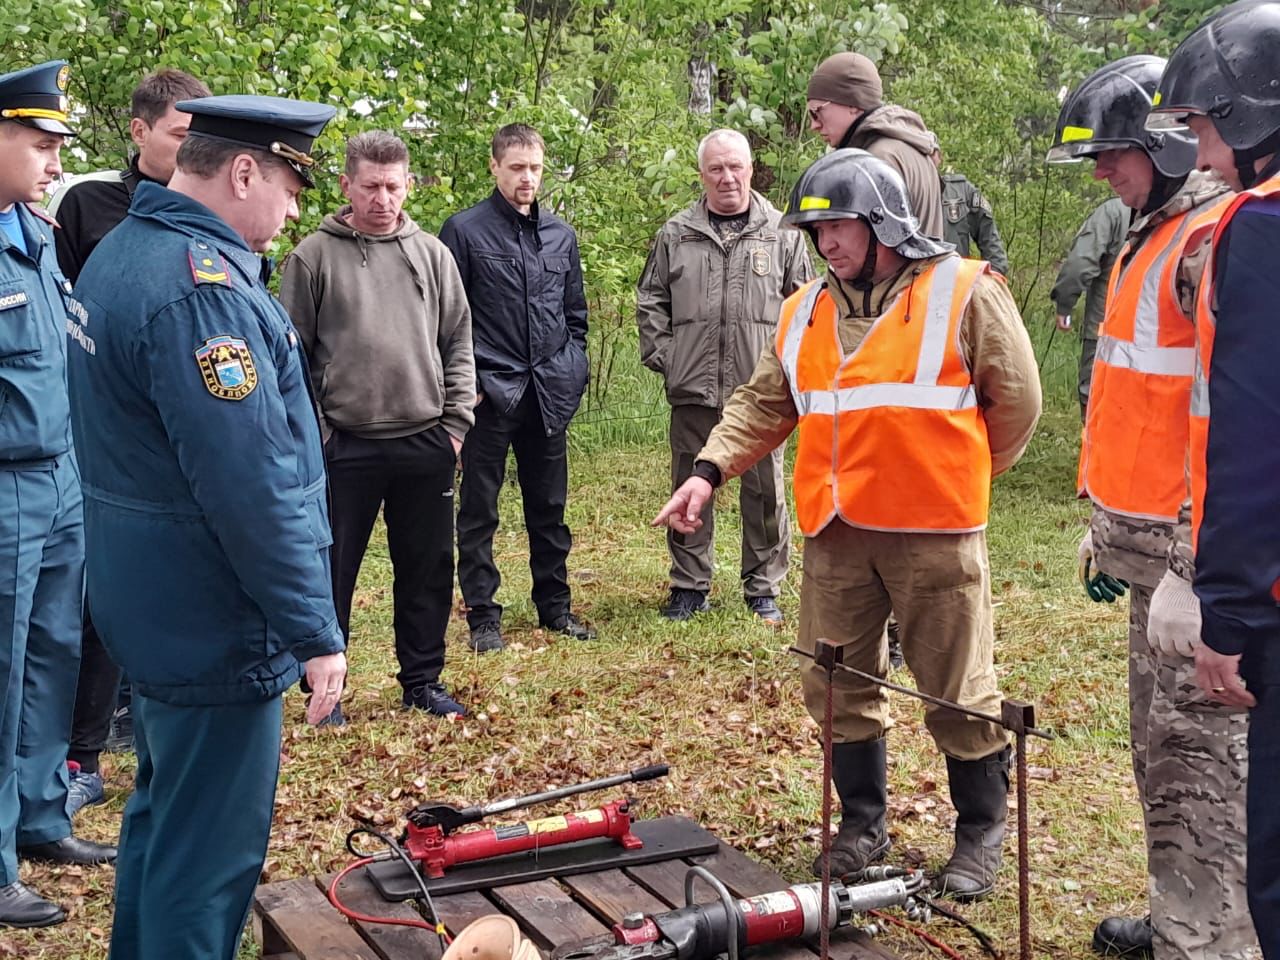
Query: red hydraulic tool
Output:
(430,839)
(729,926)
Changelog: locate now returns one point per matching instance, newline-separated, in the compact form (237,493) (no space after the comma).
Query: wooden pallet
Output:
(293,919)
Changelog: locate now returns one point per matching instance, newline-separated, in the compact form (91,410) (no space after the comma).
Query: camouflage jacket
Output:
(1087,266)
(967,220)
(1141,550)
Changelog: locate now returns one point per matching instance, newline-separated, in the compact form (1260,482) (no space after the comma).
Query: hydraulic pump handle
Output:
(515,803)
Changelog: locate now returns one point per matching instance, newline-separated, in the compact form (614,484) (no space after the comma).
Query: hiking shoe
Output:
(120,733)
(684,603)
(1123,937)
(433,698)
(571,627)
(485,638)
(766,608)
(83,789)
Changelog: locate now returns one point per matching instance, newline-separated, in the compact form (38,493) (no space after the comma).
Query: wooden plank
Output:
(280,956)
(389,942)
(459,909)
(666,882)
(307,923)
(613,894)
(548,914)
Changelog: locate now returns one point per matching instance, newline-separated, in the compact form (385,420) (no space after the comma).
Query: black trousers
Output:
(542,467)
(97,691)
(411,479)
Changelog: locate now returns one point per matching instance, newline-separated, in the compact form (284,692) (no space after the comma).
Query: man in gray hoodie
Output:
(384,321)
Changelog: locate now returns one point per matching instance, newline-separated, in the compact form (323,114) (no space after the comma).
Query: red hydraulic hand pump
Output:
(430,838)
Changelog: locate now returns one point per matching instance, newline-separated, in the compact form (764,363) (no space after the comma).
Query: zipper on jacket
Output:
(724,320)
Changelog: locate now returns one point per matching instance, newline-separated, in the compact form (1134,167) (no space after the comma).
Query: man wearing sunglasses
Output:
(846,108)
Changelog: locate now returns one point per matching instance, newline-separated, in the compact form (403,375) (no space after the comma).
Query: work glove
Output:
(1098,585)
(1173,625)
(493,937)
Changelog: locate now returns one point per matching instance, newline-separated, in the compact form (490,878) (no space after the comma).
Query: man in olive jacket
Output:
(707,306)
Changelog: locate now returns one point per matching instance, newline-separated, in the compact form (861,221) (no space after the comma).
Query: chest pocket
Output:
(555,271)
(20,320)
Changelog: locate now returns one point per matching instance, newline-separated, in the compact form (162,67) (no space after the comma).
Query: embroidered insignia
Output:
(227,367)
(64,74)
(11,300)
(208,267)
(760,262)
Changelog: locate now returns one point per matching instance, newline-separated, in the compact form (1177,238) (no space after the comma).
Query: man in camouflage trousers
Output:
(1189,753)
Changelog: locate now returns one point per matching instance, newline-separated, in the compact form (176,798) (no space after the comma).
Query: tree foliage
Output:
(607,83)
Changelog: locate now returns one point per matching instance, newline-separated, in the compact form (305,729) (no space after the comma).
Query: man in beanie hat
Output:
(847,109)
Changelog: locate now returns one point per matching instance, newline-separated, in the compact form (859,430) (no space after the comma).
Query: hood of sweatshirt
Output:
(897,123)
(339,225)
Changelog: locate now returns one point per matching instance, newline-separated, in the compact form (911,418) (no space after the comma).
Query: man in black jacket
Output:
(523,277)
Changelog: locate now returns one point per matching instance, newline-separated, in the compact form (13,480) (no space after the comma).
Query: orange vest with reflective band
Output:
(891,436)
(1206,324)
(1134,452)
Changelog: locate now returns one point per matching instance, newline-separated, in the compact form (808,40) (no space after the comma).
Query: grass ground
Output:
(717,699)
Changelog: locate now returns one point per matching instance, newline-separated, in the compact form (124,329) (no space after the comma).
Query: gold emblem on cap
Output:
(289,153)
(64,73)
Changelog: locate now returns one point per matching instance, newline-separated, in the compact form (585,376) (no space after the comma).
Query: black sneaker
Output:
(766,608)
(485,637)
(433,698)
(335,717)
(571,627)
(120,733)
(683,604)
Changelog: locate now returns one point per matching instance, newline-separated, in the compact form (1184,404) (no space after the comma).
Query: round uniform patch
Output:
(226,365)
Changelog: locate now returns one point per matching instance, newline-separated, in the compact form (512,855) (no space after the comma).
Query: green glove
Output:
(1098,585)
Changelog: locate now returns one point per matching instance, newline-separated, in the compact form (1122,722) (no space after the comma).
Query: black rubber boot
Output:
(980,794)
(1123,937)
(858,772)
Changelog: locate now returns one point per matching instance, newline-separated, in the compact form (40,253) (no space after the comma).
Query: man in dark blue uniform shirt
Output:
(41,517)
(207,529)
(1221,83)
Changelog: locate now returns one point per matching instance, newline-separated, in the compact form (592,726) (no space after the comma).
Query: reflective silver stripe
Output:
(1146,324)
(913,395)
(795,334)
(1170,361)
(937,321)
(1200,398)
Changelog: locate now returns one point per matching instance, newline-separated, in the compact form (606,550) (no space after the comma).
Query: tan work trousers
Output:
(939,585)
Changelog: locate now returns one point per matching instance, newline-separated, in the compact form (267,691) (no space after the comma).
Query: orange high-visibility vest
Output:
(1206,325)
(1134,451)
(891,436)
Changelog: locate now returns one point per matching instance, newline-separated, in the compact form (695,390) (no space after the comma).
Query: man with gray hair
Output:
(384,321)
(707,306)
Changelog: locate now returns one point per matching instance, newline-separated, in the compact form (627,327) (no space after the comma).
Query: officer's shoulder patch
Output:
(226,366)
(207,265)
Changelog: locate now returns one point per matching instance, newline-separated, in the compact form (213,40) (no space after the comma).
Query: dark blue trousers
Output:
(1264,817)
(195,829)
(41,590)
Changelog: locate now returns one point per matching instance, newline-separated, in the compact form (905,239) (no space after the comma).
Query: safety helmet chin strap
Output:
(1245,159)
(865,279)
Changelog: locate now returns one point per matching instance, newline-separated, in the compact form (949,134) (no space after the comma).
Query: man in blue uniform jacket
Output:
(206,524)
(1221,83)
(41,516)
